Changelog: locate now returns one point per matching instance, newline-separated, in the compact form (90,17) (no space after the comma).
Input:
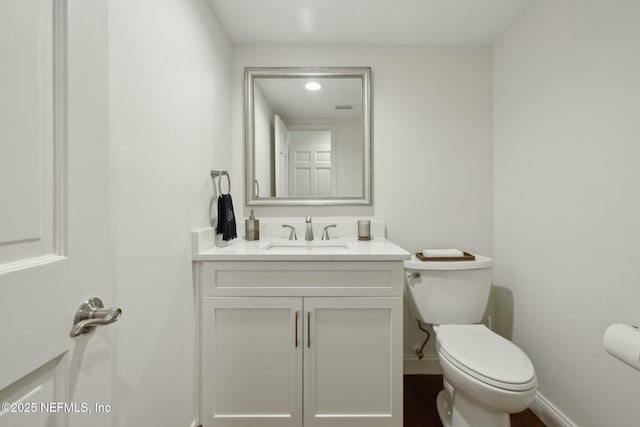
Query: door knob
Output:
(92,313)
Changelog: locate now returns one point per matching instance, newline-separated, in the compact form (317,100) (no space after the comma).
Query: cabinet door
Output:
(353,362)
(251,362)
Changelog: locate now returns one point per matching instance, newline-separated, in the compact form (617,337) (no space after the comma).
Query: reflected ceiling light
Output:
(313,86)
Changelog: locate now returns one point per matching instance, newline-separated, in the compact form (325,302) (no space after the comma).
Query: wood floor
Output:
(420,393)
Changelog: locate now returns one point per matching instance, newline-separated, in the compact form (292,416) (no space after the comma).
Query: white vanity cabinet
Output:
(251,368)
(306,343)
(352,361)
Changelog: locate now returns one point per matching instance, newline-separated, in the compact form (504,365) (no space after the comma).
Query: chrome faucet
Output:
(292,233)
(325,233)
(308,236)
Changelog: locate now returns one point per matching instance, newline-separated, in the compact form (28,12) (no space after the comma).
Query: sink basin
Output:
(305,246)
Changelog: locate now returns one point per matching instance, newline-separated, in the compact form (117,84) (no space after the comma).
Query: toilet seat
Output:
(486,356)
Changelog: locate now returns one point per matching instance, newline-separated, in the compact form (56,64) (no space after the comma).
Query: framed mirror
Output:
(307,136)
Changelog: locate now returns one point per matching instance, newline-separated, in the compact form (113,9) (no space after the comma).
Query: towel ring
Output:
(224,173)
(219,174)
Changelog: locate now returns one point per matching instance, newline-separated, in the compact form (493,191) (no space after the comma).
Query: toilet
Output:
(485,376)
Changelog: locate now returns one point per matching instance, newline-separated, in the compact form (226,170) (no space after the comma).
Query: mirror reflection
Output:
(307,136)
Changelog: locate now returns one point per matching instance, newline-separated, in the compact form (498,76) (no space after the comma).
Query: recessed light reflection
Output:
(313,86)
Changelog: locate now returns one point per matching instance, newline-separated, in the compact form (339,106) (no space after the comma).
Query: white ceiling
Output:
(289,99)
(405,22)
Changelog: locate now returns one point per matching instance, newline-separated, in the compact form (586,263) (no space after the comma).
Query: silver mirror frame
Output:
(251,73)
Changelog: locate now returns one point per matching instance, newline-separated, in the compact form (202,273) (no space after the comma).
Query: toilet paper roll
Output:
(622,341)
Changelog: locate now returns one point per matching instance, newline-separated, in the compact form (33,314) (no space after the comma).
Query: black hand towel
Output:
(226,218)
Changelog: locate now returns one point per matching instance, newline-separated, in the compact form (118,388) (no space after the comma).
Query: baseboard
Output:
(548,413)
(428,365)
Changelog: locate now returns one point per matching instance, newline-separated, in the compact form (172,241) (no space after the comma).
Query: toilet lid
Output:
(486,356)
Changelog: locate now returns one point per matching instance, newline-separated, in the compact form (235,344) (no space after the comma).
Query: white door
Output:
(251,362)
(311,171)
(353,362)
(54,247)
(312,160)
(282,155)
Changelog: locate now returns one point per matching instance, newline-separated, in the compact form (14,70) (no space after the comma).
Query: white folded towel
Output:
(442,253)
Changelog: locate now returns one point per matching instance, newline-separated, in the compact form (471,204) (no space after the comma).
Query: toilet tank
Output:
(453,292)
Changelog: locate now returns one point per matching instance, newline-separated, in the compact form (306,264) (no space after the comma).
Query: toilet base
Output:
(467,413)
(443,404)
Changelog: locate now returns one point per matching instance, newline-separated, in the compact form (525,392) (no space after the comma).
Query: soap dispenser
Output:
(252,228)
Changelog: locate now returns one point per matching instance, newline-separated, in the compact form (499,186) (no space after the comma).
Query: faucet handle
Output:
(307,220)
(325,233)
(292,233)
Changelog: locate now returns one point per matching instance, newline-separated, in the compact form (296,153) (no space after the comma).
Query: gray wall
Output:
(567,204)
(432,142)
(169,69)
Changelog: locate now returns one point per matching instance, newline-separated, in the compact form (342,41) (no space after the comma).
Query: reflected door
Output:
(281,157)
(311,168)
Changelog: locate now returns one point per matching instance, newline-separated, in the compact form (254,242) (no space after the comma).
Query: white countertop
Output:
(241,250)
